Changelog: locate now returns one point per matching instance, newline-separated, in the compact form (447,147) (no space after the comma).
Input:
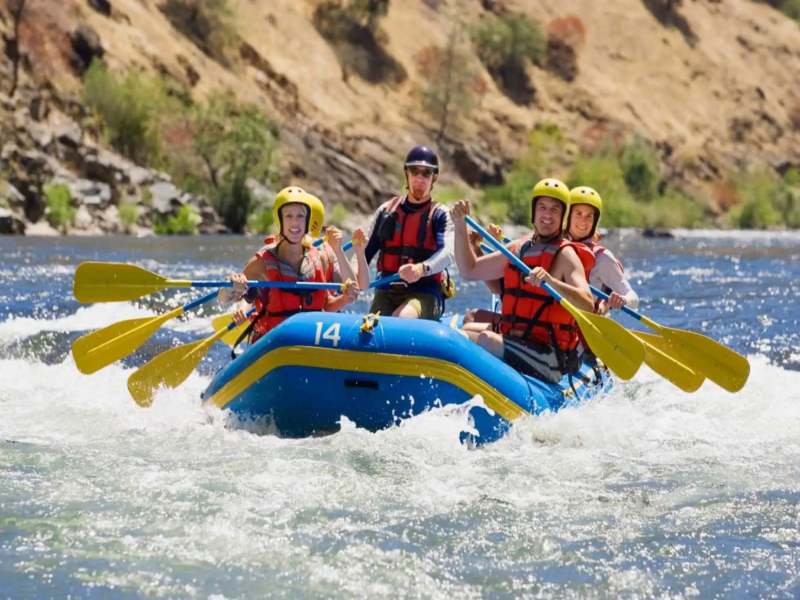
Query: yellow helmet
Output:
(586,195)
(291,195)
(552,188)
(317,216)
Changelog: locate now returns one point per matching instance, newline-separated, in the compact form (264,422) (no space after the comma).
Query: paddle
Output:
(100,348)
(723,366)
(120,282)
(619,350)
(231,335)
(657,357)
(172,367)
(230,338)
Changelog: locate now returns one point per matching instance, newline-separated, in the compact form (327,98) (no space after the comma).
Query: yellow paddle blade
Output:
(231,336)
(723,366)
(619,350)
(117,282)
(169,369)
(658,356)
(100,348)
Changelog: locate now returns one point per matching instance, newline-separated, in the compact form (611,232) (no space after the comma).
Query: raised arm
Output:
(470,267)
(362,266)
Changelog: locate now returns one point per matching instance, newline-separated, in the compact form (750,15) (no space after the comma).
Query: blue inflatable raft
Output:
(314,368)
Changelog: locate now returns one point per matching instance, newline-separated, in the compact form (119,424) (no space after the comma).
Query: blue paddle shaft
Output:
(283,285)
(385,280)
(625,309)
(199,301)
(232,325)
(320,241)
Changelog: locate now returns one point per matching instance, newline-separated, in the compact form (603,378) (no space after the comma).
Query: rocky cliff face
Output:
(43,145)
(713,84)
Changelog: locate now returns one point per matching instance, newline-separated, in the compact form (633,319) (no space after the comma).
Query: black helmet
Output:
(422,156)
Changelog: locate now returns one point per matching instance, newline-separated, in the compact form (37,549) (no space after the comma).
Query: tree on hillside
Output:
(452,82)
(235,143)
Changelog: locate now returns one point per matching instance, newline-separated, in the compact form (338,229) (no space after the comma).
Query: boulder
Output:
(11,223)
(12,195)
(656,232)
(86,47)
(83,219)
(476,167)
(166,198)
(92,194)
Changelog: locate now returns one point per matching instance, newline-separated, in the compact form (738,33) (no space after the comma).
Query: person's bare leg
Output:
(491,342)
(407,310)
(477,327)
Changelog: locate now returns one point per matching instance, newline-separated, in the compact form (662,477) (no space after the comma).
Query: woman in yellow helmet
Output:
(585,209)
(289,256)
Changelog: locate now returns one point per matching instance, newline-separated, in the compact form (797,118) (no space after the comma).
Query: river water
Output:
(646,493)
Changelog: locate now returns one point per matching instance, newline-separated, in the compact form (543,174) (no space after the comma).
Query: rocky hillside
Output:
(711,86)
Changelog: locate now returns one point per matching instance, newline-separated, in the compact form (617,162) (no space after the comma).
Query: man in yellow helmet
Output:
(536,336)
(289,256)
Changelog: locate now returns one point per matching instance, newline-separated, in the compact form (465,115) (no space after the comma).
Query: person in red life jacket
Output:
(412,235)
(585,209)
(291,257)
(536,336)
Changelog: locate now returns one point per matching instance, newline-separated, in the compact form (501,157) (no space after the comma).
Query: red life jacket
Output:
(531,309)
(413,241)
(282,304)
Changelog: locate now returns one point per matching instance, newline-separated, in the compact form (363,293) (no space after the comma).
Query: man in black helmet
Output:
(413,236)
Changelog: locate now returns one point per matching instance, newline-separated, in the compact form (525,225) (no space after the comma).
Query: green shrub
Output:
(675,209)
(791,8)
(262,221)
(603,173)
(515,196)
(59,206)
(128,215)
(235,142)
(126,108)
(492,212)
(450,195)
(508,40)
(766,201)
(639,164)
(338,215)
(184,222)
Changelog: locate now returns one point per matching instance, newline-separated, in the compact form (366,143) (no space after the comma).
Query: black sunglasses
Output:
(426,173)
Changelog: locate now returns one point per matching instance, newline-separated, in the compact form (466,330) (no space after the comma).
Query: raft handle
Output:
(361,383)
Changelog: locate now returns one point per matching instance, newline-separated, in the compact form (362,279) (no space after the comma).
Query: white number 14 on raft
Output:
(332,333)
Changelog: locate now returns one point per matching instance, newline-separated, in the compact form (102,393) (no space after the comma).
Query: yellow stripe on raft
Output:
(382,364)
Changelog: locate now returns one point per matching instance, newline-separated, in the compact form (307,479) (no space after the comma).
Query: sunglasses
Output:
(426,173)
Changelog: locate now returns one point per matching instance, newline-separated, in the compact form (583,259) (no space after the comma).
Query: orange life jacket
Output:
(531,309)
(413,240)
(282,304)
